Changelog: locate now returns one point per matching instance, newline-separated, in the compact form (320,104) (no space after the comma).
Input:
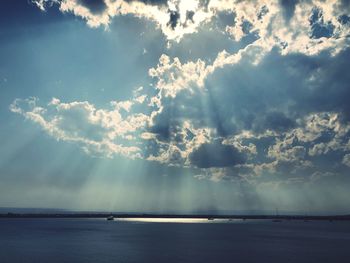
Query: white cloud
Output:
(295,145)
(265,18)
(43,4)
(161,14)
(238,143)
(177,152)
(97,131)
(268,23)
(173,76)
(107,132)
(346,160)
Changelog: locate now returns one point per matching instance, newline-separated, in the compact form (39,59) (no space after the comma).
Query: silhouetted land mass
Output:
(179,216)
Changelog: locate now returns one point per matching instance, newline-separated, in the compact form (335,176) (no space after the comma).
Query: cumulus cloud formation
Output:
(98,131)
(273,105)
(307,26)
(175,18)
(246,153)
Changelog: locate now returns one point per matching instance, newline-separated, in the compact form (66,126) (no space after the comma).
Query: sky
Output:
(182,106)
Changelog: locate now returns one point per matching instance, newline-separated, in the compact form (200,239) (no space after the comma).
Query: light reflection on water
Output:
(177,220)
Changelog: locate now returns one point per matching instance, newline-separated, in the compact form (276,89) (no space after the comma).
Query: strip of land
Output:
(175,216)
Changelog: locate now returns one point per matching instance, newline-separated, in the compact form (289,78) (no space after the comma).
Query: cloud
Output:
(174,18)
(315,27)
(173,76)
(346,160)
(275,103)
(43,4)
(216,154)
(312,27)
(188,144)
(305,26)
(97,131)
(291,124)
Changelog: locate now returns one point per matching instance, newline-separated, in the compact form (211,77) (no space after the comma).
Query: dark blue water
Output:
(96,240)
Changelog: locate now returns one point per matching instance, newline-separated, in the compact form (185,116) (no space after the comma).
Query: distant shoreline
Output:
(175,216)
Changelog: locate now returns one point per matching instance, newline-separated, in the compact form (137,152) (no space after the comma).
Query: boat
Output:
(110,218)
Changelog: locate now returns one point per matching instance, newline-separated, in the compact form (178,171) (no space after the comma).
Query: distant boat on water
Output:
(110,218)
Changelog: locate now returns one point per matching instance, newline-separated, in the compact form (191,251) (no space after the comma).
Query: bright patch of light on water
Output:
(176,220)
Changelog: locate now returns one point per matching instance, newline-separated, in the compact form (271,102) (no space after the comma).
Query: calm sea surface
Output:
(97,240)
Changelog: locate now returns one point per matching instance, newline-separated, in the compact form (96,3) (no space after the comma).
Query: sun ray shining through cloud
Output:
(243,101)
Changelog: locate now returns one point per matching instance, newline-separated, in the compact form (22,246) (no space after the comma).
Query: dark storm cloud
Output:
(216,155)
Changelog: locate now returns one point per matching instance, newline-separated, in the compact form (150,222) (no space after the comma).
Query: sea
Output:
(178,240)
